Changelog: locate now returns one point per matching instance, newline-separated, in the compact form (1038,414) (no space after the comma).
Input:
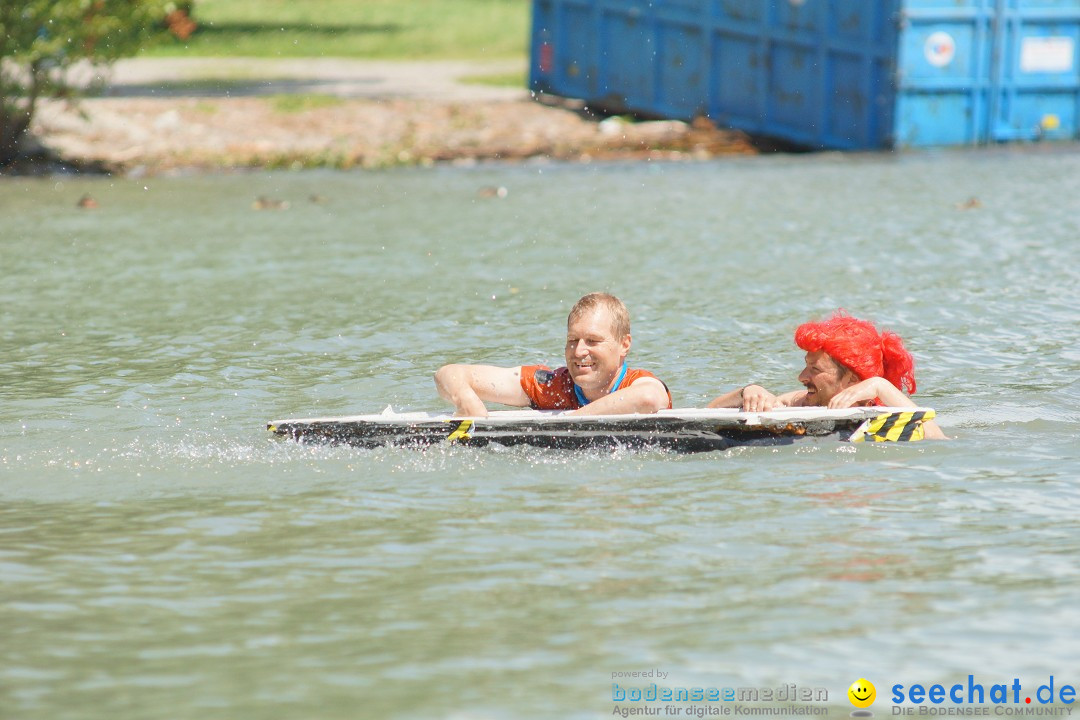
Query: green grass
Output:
(303,102)
(376,29)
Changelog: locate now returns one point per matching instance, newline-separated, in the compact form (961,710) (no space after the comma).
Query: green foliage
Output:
(42,40)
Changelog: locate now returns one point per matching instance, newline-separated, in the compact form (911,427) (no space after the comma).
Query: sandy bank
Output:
(160,115)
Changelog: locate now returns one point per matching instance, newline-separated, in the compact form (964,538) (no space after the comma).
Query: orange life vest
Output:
(554,389)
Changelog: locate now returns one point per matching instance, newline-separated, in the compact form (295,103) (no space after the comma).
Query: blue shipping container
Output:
(843,74)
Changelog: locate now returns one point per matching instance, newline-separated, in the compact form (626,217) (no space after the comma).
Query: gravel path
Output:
(346,78)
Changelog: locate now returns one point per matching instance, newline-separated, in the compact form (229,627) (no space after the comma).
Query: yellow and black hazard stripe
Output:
(461,433)
(894,427)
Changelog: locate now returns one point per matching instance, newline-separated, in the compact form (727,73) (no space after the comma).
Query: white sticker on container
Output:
(1046,54)
(940,49)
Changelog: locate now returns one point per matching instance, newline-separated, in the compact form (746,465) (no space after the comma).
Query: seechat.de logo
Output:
(862,694)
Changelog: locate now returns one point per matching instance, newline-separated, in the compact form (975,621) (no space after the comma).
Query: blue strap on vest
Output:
(618,381)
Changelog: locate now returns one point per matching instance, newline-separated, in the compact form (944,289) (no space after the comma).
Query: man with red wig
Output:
(848,363)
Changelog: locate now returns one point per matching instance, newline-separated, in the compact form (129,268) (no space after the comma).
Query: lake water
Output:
(161,555)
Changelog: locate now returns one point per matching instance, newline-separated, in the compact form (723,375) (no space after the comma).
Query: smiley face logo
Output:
(862,693)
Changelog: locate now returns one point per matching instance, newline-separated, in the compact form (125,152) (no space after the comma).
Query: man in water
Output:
(848,363)
(595,380)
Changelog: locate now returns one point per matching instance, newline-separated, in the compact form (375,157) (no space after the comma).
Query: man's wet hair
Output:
(620,316)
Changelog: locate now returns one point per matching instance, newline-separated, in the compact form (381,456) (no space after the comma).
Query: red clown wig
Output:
(857,345)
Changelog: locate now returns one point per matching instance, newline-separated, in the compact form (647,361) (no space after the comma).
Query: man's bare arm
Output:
(752,398)
(887,393)
(645,395)
(733,399)
(468,387)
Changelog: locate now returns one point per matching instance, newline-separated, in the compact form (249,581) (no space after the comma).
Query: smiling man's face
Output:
(593,353)
(824,378)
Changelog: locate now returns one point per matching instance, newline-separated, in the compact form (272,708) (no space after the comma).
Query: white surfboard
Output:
(684,430)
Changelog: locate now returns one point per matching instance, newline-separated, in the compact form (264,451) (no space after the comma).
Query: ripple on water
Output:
(161,550)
